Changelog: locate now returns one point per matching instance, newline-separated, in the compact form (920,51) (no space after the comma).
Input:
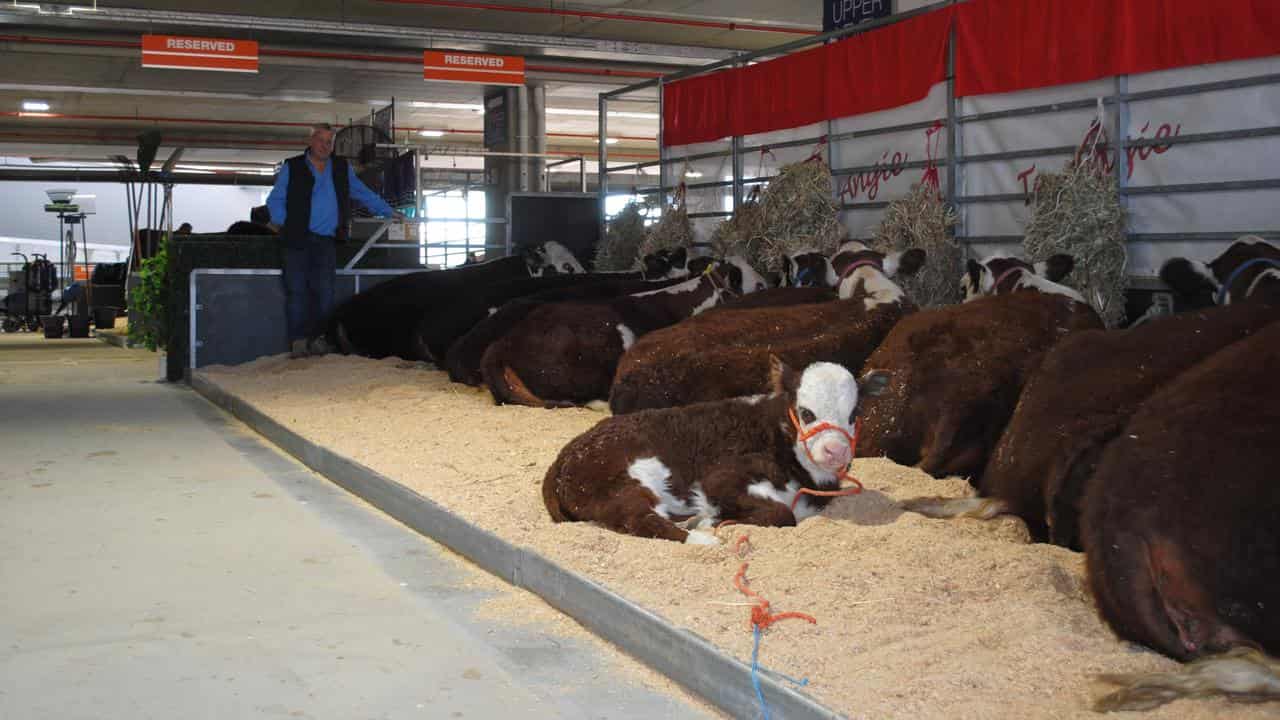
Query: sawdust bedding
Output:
(916,618)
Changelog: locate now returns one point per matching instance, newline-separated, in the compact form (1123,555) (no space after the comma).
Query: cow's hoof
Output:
(701,537)
(698,522)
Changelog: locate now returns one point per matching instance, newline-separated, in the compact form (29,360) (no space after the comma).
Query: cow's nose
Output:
(835,454)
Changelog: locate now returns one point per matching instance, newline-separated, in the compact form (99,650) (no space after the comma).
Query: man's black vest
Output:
(297,220)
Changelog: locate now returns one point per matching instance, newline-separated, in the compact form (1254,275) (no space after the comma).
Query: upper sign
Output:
(193,53)
(472,68)
(838,14)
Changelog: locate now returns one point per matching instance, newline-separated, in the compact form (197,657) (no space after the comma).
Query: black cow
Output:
(381,321)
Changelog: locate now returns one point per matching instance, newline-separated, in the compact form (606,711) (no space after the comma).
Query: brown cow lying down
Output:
(1078,401)
(742,459)
(565,354)
(1182,529)
(1250,268)
(956,373)
(462,360)
(725,353)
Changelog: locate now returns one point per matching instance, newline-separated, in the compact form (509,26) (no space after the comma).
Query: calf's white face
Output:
(559,257)
(827,393)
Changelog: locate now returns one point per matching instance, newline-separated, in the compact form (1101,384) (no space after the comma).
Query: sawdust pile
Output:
(917,618)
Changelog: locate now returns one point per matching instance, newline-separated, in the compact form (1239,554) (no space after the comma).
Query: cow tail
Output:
(504,384)
(340,336)
(550,498)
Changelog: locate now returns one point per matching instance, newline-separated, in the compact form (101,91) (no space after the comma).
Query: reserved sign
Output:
(472,68)
(196,53)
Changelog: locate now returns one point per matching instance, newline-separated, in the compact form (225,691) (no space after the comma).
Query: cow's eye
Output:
(567,268)
(806,416)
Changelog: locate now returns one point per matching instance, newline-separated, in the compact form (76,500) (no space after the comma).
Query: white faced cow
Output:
(999,274)
(745,459)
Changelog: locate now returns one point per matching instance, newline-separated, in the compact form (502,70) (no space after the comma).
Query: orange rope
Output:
(844,475)
(760,615)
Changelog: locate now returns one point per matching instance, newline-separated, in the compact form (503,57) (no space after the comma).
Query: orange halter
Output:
(844,475)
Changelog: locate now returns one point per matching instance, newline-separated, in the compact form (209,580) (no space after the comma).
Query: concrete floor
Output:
(158,560)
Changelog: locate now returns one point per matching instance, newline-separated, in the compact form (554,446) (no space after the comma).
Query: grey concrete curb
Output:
(686,658)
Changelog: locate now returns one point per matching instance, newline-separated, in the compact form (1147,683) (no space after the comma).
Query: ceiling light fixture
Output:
(35,105)
(594,113)
(431,133)
(693,174)
(611,141)
(473,107)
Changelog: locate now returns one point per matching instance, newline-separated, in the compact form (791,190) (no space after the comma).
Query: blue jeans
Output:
(308,285)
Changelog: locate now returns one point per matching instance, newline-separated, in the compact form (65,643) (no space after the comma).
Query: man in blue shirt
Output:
(310,206)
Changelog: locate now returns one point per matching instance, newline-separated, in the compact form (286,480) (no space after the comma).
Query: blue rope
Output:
(1226,286)
(756,669)
(755,678)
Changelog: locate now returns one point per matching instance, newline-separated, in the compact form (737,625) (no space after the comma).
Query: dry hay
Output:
(923,220)
(620,249)
(797,213)
(735,235)
(673,230)
(1078,212)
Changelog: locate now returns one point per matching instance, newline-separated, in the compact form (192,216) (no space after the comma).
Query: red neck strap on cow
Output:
(803,436)
(857,264)
(996,285)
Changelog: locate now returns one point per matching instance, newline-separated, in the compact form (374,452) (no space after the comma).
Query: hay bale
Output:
(734,236)
(620,249)
(673,230)
(797,212)
(923,220)
(1078,212)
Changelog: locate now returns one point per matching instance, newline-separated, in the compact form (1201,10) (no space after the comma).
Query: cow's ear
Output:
(782,379)
(974,272)
(905,263)
(679,258)
(873,383)
(1056,267)
(697,266)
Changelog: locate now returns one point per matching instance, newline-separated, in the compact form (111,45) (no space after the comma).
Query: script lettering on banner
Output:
(178,52)
(472,68)
(838,14)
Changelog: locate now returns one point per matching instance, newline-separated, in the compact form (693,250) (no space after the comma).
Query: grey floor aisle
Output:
(158,560)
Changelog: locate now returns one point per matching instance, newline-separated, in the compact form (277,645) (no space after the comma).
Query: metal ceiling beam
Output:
(144,20)
(73,175)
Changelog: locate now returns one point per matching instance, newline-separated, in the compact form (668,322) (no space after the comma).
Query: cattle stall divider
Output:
(679,654)
(237,314)
(1189,163)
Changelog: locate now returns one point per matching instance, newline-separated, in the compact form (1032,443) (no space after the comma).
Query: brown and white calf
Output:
(725,353)
(1181,538)
(1001,274)
(1078,402)
(743,459)
(1249,269)
(565,354)
(956,373)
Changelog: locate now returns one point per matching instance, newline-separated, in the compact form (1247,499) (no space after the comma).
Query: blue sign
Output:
(838,14)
